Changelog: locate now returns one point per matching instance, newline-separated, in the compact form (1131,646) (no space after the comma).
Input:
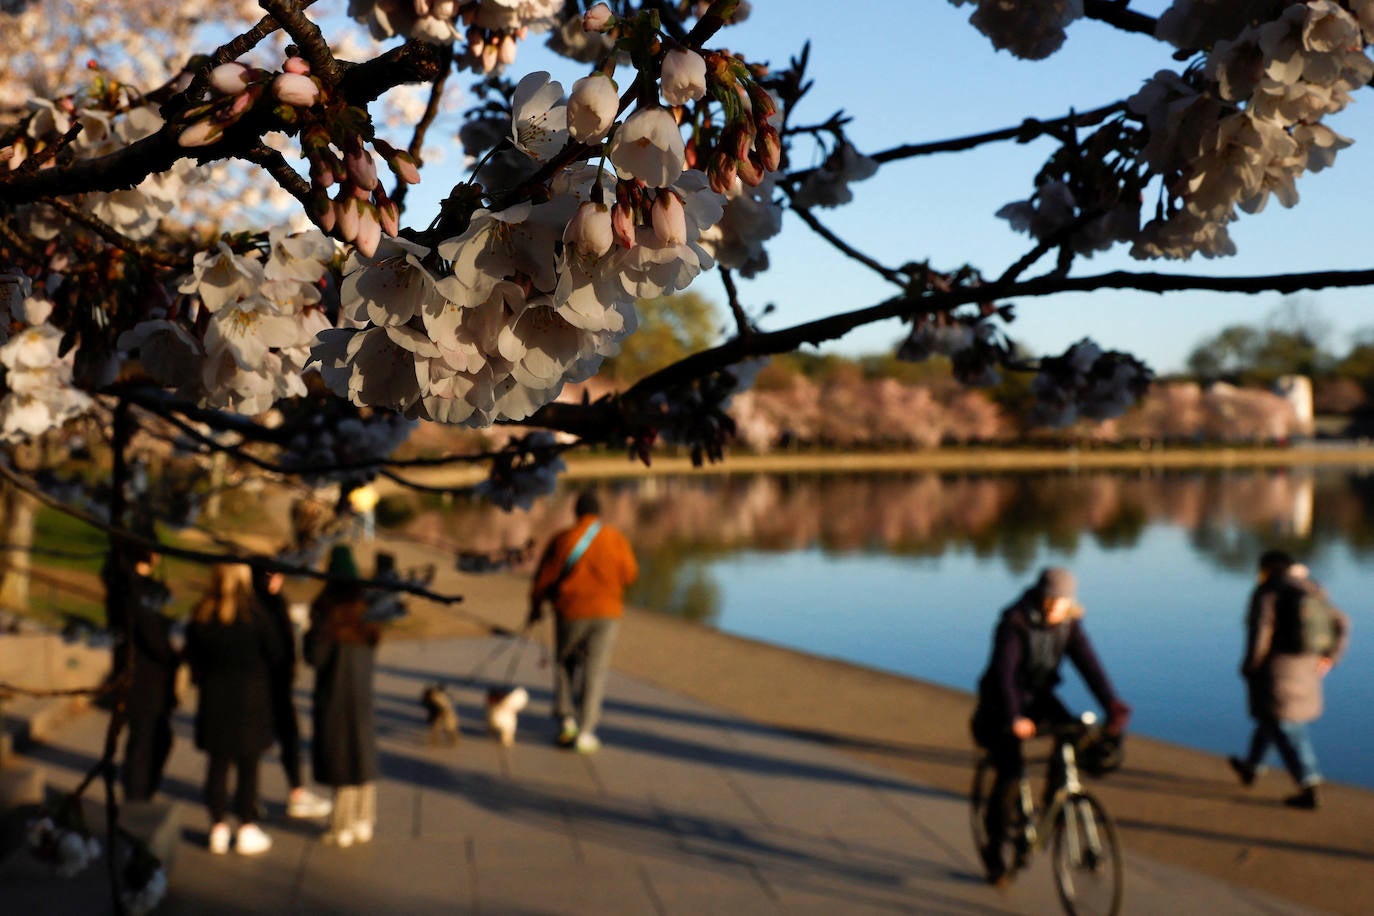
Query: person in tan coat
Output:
(1283,676)
(583,572)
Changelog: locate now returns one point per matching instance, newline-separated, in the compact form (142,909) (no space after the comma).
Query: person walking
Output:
(341,646)
(1283,672)
(1016,696)
(232,648)
(152,688)
(300,801)
(583,572)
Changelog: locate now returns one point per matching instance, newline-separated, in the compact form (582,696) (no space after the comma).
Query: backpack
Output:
(1318,624)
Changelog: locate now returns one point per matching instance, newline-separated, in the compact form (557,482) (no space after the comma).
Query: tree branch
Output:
(307,37)
(1119,14)
(844,247)
(410,63)
(275,164)
(115,237)
(417,139)
(742,325)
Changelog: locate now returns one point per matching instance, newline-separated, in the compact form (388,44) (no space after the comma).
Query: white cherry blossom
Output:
(592,107)
(684,76)
(539,120)
(649,146)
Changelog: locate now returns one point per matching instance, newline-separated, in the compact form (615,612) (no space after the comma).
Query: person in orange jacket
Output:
(583,572)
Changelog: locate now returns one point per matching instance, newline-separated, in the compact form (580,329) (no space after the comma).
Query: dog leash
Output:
(520,638)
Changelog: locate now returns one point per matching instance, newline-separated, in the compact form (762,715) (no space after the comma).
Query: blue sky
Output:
(911,72)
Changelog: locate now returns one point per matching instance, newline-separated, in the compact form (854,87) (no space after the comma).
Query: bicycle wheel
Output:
(1087,858)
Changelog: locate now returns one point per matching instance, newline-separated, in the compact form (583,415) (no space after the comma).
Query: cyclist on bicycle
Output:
(1016,693)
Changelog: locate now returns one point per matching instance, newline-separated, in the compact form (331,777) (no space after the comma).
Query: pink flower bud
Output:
(362,168)
(346,211)
(296,65)
(230,79)
(589,231)
(321,173)
(750,171)
(369,229)
(242,102)
(201,133)
(722,172)
(490,57)
(322,209)
(477,42)
(404,166)
(390,216)
(598,19)
(669,218)
(623,224)
(296,89)
(769,147)
(508,49)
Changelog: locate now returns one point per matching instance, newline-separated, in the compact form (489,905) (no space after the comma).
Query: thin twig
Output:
(310,42)
(115,237)
(742,325)
(275,164)
(844,247)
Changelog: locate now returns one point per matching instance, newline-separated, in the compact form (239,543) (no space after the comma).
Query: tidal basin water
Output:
(909,573)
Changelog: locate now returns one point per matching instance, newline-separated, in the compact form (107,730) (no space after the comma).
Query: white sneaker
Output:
(219,839)
(362,832)
(340,838)
(251,841)
(304,803)
(587,743)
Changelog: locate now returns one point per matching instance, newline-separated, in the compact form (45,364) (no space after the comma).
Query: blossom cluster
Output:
(39,393)
(341,444)
(1029,29)
(491,322)
(522,472)
(68,850)
(261,316)
(1086,383)
(1249,123)
(490,29)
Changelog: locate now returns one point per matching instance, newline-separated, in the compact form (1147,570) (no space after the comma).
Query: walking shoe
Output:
(340,838)
(993,867)
(251,841)
(587,743)
(568,733)
(304,803)
(1244,772)
(362,832)
(219,839)
(1306,799)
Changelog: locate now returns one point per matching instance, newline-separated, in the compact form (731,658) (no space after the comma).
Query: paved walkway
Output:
(685,810)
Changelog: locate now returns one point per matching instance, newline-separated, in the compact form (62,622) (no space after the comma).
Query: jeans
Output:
(1294,745)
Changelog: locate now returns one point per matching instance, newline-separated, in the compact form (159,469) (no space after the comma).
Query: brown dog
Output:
(442,717)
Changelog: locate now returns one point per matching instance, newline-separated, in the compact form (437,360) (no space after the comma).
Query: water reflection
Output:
(679,526)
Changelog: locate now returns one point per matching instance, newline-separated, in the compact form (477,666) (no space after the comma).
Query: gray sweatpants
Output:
(584,658)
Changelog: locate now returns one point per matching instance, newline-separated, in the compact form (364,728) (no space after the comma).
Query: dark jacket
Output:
(1023,669)
(231,664)
(152,691)
(341,646)
(1283,681)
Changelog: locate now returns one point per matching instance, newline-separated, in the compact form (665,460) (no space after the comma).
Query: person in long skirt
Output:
(231,647)
(341,645)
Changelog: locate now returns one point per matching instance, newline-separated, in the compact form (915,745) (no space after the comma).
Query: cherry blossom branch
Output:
(603,419)
(410,63)
(18,241)
(275,164)
(231,50)
(308,38)
(742,325)
(117,238)
(1119,14)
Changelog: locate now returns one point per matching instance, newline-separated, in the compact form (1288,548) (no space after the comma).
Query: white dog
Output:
(503,708)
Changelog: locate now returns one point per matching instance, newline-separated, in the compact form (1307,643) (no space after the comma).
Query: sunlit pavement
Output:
(684,810)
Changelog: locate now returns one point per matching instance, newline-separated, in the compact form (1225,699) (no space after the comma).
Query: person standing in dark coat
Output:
(1283,678)
(300,801)
(152,689)
(231,648)
(341,645)
(1016,693)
